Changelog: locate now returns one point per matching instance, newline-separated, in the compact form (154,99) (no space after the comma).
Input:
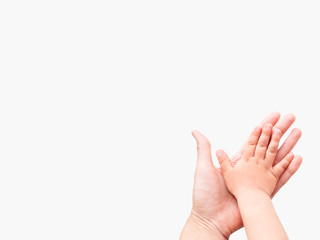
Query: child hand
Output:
(254,171)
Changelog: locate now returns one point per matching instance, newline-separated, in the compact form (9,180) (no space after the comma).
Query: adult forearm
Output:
(197,228)
(259,217)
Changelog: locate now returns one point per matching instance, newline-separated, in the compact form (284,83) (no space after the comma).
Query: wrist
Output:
(253,199)
(251,193)
(198,227)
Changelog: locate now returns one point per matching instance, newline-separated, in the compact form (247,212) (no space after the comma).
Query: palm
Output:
(212,200)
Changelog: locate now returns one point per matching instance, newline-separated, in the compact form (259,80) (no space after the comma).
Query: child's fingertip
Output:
(297,131)
(219,153)
(258,129)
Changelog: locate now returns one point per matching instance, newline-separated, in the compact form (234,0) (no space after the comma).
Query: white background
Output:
(98,99)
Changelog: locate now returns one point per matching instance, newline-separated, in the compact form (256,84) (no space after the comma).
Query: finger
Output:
(283,164)
(263,141)
(250,147)
(273,147)
(288,173)
(224,160)
(288,144)
(203,149)
(285,122)
(271,118)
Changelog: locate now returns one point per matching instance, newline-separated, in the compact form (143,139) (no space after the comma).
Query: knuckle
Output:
(251,143)
(262,144)
(273,150)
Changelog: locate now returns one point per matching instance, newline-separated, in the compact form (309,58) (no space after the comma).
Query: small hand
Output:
(283,125)
(255,170)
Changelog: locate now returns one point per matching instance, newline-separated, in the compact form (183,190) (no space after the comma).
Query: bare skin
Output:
(252,181)
(215,213)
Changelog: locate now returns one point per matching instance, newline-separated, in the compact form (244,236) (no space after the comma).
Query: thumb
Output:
(203,149)
(224,160)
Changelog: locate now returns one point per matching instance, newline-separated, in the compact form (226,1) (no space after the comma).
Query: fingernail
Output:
(276,131)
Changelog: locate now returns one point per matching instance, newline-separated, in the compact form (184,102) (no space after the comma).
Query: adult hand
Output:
(213,205)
